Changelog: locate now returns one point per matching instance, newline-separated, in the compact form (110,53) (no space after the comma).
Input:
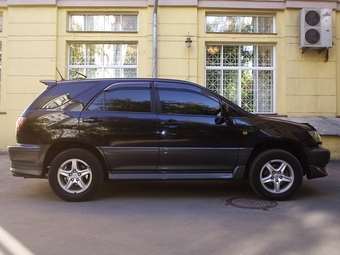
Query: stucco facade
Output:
(35,35)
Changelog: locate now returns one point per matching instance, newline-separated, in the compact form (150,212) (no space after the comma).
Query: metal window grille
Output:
(242,73)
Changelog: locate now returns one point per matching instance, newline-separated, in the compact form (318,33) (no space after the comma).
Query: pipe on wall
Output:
(154,41)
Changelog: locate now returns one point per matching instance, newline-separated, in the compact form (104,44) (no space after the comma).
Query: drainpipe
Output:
(154,41)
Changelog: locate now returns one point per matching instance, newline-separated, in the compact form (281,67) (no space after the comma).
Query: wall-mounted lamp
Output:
(188,42)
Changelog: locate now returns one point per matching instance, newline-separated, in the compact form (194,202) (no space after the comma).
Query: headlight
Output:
(316,136)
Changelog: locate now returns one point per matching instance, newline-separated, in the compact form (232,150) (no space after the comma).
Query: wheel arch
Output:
(56,148)
(285,145)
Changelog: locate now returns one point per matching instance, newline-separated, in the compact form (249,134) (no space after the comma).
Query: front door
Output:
(191,137)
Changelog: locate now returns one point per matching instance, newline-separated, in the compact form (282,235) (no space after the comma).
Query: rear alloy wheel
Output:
(75,175)
(275,175)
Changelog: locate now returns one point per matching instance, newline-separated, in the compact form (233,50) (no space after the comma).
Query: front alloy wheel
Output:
(75,175)
(275,174)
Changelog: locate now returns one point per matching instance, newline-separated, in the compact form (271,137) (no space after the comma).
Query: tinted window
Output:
(128,100)
(61,94)
(187,102)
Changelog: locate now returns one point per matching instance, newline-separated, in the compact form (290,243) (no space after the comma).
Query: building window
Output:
(242,73)
(101,22)
(103,60)
(1,22)
(239,24)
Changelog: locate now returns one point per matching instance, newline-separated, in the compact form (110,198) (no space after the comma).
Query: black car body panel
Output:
(147,129)
(27,160)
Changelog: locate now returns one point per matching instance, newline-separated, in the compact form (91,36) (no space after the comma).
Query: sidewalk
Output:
(326,126)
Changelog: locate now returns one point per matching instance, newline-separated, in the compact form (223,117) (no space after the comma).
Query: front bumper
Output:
(318,158)
(27,160)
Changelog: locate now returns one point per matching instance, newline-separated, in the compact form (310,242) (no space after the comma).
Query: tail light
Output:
(20,122)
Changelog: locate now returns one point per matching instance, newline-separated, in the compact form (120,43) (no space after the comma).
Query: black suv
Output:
(81,132)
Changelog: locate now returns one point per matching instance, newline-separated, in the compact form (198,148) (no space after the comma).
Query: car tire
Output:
(75,175)
(275,174)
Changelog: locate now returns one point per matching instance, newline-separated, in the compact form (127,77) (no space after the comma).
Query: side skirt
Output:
(238,174)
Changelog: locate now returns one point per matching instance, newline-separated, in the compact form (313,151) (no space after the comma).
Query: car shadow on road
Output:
(194,189)
(173,189)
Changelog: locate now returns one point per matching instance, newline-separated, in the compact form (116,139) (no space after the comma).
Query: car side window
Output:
(187,102)
(126,100)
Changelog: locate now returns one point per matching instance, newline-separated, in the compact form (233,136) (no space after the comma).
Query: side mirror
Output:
(225,110)
(224,117)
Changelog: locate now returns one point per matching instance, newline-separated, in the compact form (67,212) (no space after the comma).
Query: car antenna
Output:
(62,78)
(72,70)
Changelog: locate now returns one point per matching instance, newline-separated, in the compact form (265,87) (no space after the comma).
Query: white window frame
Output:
(120,66)
(239,28)
(86,16)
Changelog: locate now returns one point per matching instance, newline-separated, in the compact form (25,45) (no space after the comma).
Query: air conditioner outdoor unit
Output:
(315,28)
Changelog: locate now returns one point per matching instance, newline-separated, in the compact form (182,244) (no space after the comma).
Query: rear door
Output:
(123,122)
(190,138)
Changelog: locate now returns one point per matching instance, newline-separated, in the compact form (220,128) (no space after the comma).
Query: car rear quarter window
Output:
(127,100)
(62,95)
(187,102)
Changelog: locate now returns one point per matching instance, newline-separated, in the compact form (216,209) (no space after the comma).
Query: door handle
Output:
(170,123)
(92,119)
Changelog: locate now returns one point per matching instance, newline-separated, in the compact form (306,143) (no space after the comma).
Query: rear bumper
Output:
(27,160)
(318,158)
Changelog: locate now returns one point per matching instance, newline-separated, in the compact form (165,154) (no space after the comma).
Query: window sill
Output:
(240,33)
(271,115)
(98,32)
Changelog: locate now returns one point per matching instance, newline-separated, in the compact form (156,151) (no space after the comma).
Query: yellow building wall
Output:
(28,45)
(175,60)
(310,80)
(34,36)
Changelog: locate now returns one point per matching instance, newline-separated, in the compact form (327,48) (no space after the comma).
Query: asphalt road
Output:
(167,217)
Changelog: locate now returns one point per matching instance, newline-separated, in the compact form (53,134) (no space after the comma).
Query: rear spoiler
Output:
(49,83)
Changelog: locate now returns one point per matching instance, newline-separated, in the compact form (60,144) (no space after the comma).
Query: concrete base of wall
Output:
(333,144)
